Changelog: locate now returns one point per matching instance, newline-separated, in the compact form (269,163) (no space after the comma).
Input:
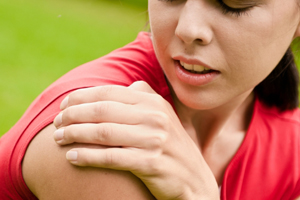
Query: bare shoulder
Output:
(49,176)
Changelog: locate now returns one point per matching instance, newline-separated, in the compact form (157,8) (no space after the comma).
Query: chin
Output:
(198,104)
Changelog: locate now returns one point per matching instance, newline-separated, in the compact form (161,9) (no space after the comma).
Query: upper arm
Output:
(49,175)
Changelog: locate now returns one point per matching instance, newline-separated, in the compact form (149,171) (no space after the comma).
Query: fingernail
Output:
(58,120)
(64,103)
(59,134)
(72,155)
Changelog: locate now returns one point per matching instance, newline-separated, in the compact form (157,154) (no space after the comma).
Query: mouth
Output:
(194,72)
(195,69)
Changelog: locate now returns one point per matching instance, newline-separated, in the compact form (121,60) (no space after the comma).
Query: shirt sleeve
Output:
(136,61)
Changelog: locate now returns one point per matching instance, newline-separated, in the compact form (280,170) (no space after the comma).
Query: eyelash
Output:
(226,9)
(229,10)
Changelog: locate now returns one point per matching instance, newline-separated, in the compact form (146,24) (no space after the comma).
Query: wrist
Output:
(202,195)
(201,190)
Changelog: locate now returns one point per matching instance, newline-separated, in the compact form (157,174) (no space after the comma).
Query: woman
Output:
(228,117)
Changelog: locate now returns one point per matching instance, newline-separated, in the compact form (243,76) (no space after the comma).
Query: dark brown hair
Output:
(280,88)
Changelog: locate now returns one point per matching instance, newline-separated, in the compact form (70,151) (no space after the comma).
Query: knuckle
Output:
(159,119)
(141,86)
(67,133)
(109,159)
(85,160)
(158,140)
(157,100)
(104,91)
(103,134)
(153,164)
(71,134)
(100,109)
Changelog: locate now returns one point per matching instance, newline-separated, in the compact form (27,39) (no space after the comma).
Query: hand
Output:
(141,134)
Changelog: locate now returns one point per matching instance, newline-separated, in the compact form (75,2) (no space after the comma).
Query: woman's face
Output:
(240,41)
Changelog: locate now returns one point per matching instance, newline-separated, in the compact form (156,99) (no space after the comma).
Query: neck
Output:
(205,126)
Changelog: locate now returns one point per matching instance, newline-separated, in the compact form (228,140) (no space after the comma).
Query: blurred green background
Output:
(40,40)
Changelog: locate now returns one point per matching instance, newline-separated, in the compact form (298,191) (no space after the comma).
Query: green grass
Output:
(42,40)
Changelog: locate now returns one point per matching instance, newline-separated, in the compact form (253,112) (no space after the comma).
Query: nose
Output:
(193,26)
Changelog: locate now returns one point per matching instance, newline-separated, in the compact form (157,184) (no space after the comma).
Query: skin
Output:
(49,176)
(148,155)
(212,37)
(198,29)
(220,109)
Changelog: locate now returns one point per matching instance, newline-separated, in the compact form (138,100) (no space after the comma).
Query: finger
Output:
(107,134)
(104,111)
(100,93)
(142,86)
(110,158)
(127,95)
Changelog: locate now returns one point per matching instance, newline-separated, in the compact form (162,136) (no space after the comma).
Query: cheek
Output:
(163,20)
(161,16)
(162,38)
(258,50)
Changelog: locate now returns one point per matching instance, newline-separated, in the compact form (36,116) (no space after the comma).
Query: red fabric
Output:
(265,167)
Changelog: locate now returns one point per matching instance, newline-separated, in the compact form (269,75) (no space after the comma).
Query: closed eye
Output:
(226,9)
(235,11)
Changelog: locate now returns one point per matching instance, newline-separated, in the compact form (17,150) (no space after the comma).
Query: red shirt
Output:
(266,165)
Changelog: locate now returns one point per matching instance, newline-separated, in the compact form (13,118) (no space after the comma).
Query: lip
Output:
(192,78)
(192,61)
